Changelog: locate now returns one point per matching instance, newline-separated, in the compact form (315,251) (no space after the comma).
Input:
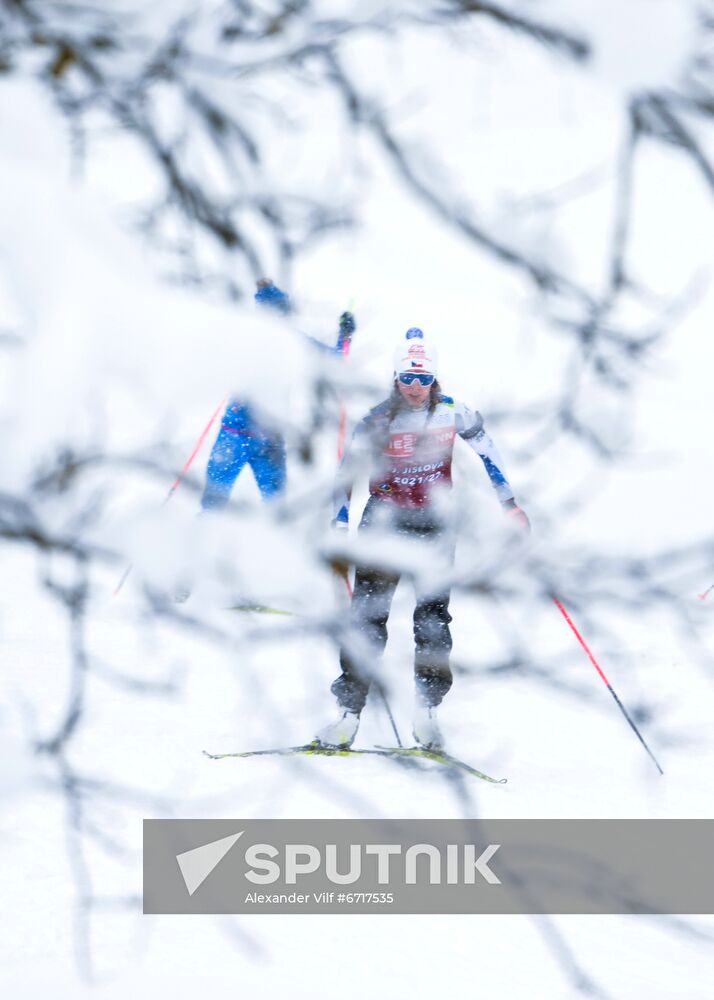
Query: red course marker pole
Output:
(607,683)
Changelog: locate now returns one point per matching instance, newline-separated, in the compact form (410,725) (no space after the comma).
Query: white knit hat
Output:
(415,355)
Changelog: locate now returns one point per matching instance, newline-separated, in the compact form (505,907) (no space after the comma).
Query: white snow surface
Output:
(112,356)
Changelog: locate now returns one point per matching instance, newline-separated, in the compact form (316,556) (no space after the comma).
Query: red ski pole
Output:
(196,448)
(177,481)
(706,593)
(607,683)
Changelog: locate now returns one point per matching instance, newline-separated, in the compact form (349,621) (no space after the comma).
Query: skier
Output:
(242,439)
(407,443)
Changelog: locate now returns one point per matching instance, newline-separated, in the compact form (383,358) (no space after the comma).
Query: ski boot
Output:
(426,727)
(341,733)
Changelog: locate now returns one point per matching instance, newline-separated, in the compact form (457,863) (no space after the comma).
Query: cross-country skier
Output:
(242,439)
(407,443)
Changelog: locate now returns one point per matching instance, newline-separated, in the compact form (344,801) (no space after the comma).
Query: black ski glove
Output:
(347,327)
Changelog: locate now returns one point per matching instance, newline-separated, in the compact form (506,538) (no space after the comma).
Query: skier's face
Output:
(415,394)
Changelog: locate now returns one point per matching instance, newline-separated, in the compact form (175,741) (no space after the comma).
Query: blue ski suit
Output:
(242,440)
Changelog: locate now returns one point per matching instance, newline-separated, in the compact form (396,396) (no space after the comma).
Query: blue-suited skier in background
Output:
(242,440)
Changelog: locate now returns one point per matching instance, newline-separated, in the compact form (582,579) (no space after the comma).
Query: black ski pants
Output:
(371,602)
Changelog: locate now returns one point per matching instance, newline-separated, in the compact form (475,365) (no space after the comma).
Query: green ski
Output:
(261,609)
(394,753)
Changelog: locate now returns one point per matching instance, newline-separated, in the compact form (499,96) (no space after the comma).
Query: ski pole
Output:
(707,592)
(346,343)
(340,449)
(607,683)
(196,448)
(343,412)
(341,444)
(388,710)
(346,578)
(177,481)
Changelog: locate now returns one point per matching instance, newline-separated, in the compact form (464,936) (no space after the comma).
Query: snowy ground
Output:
(563,758)
(112,357)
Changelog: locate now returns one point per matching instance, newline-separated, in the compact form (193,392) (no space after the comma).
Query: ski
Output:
(442,757)
(394,753)
(260,609)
